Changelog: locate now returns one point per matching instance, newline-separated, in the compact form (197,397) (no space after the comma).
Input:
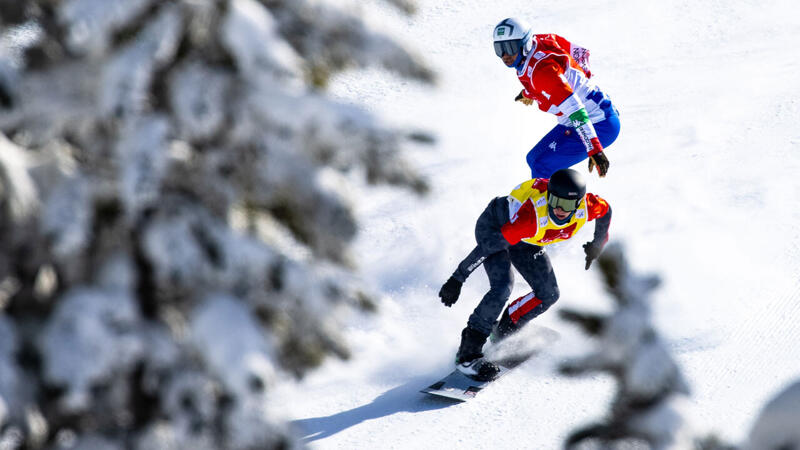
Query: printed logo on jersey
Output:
(530,71)
(513,208)
(541,202)
(538,55)
(580,214)
(554,235)
(553,145)
(543,222)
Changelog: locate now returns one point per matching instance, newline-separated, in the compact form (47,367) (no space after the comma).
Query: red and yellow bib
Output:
(529,220)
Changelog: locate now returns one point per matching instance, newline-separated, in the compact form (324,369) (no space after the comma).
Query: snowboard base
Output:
(459,387)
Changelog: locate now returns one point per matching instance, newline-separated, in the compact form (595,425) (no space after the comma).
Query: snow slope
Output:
(704,186)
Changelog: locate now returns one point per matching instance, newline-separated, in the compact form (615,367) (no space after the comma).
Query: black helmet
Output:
(565,189)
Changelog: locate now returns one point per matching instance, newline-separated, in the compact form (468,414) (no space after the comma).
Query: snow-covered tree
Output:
(173,226)
(648,408)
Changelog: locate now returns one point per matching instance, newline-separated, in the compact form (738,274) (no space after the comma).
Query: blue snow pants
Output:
(562,148)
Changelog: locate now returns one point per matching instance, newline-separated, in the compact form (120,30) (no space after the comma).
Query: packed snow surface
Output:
(703,183)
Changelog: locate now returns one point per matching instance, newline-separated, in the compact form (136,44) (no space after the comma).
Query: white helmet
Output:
(512,35)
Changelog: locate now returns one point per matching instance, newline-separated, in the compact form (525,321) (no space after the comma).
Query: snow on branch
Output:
(649,404)
(330,40)
(18,194)
(176,231)
(90,24)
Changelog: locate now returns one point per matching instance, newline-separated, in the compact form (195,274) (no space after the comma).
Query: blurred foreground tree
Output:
(649,409)
(173,228)
(776,426)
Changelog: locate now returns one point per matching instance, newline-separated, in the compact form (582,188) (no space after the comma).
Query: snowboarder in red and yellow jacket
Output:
(513,230)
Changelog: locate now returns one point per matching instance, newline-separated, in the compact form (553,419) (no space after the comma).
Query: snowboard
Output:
(460,387)
(507,354)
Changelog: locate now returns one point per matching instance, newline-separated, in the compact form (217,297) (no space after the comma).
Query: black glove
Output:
(450,291)
(599,159)
(592,251)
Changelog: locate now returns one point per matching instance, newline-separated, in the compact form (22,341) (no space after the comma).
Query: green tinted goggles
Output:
(566,204)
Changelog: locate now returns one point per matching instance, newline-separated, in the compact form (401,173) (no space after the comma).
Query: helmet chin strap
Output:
(518,61)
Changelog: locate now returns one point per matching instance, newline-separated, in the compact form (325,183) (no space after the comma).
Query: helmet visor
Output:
(507,47)
(567,204)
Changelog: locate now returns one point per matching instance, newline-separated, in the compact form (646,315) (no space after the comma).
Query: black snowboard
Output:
(507,354)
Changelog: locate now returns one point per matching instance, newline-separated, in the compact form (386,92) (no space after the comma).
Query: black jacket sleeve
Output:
(489,237)
(601,225)
(470,263)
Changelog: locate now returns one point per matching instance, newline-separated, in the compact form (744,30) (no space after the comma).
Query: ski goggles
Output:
(507,47)
(567,204)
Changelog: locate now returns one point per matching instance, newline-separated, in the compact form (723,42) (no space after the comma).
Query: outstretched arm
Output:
(452,288)
(491,236)
(491,239)
(574,108)
(600,211)
(470,263)
(601,226)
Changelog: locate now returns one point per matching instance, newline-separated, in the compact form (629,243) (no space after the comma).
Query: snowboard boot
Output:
(469,358)
(503,328)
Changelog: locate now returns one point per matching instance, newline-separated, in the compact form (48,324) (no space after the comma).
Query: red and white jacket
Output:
(556,75)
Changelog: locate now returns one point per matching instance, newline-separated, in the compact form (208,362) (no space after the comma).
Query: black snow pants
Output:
(531,262)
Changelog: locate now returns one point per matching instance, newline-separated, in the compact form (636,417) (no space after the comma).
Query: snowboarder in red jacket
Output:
(513,230)
(555,74)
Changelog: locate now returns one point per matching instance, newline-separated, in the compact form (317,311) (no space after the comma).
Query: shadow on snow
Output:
(403,398)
